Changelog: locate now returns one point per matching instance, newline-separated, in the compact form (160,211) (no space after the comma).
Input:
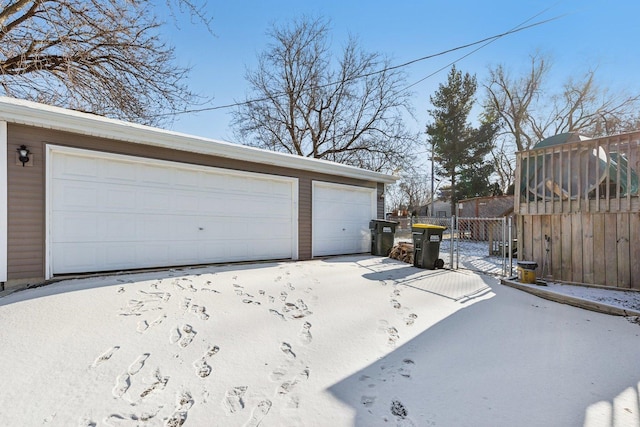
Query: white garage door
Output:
(341,215)
(111,212)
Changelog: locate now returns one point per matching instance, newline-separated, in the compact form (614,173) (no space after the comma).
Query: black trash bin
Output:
(426,245)
(383,233)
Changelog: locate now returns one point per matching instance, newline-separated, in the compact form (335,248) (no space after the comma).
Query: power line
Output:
(486,40)
(490,40)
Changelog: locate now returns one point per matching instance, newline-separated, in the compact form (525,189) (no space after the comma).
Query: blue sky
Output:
(588,34)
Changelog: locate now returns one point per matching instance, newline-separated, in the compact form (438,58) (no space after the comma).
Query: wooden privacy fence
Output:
(579,211)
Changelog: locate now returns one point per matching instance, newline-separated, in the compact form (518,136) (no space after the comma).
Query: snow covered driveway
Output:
(351,341)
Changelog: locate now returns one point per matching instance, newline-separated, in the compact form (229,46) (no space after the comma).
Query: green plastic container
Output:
(383,233)
(426,245)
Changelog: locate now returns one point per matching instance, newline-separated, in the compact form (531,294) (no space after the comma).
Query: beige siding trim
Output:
(4,197)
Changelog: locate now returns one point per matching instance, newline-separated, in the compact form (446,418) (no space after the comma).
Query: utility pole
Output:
(432,188)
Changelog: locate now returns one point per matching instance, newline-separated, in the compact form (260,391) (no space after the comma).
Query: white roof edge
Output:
(40,115)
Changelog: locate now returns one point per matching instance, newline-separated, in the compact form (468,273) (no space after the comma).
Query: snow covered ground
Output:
(348,341)
(475,256)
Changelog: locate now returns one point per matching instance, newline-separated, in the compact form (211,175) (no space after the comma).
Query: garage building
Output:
(99,195)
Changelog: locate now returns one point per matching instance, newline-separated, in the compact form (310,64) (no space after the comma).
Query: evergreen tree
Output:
(459,148)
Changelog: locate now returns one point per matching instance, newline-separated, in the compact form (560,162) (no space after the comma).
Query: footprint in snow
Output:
(159,384)
(410,319)
(142,326)
(138,364)
(184,402)
(185,304)
(398,409)
(123,382)
(258,413)
(234,399)
(158,320)
(187,336)
(286,349)
(278,373)
(105,356)
(305,333)
(393,336)
(277,314)
(200,311)
(287,386)
(86,422)
(203,369)
(368,401)
(174,335)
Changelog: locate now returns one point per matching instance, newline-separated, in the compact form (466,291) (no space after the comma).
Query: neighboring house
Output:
(98,194)
(578,209)
(440,210)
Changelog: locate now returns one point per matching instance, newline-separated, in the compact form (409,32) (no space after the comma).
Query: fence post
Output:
(510,247)
(454,241)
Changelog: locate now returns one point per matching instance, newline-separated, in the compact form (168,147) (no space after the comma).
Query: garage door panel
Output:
(185,253)
(74,227)
(80,195)
(154,176)
(184,202)
(119,198)
(215,181)
(341,216)
(77,167)
(122,213)
(186,179)
(76,256)
(117,254)
(114,172)
(149,254)
(118,228)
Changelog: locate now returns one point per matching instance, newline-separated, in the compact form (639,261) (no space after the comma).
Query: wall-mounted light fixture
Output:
(23,154)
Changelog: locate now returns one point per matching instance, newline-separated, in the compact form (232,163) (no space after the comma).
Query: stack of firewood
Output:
(403,251)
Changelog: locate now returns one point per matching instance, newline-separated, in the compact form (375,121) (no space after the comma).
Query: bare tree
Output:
(529,112)
(100,56)
(513,100)
(416,191)
(304,102)
(584,106)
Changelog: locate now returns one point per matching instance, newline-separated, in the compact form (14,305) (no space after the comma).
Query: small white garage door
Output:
(341,215)
(111,212)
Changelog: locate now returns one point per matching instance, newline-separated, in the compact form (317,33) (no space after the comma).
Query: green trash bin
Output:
(426,245)
(383,233)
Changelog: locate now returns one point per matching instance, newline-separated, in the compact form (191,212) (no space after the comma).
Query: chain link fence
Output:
(479,244)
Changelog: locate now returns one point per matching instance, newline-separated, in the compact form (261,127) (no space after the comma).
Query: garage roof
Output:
(40,115)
